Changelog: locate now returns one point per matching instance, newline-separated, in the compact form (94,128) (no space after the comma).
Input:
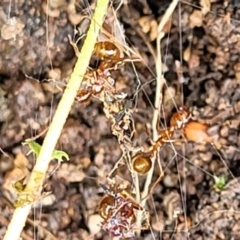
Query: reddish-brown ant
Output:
(142,161)
(118,210)
(96,80)
(192,130)
(118,207)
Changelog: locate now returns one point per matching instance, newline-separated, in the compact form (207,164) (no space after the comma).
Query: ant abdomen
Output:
(105,206)
(142,163)
(107,50)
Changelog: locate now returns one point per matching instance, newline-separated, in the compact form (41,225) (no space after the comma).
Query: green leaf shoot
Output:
(35,149)
(220,182)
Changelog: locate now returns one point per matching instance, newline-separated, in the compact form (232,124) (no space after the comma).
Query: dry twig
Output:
(158,97)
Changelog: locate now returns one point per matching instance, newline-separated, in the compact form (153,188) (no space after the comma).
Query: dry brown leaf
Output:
(18,173)
(144,22)
(55,73)
(153,31)
(21,162)
(194,60)
(98,160)
(206,6)
(12,28)
(187,54)
(94,222)
(149,25)
(196,19)
(73,16)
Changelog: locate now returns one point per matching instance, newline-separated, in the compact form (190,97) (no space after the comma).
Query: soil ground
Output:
(201,65)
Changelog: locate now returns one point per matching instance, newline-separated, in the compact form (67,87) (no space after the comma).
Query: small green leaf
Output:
(59,155)
(220,182)
(34,147)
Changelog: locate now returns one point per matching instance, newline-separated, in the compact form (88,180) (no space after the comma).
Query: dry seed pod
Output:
(197,132)
(142,164)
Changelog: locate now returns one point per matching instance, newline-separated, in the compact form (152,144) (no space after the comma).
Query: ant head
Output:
(180,118)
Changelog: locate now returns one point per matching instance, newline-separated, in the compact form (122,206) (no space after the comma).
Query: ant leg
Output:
(115,167)
(84,95)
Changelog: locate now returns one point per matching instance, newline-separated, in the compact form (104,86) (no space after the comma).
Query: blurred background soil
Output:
(36,60)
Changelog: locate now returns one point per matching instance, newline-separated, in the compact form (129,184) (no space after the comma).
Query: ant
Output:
(192,130)
(142,161)
(118,207)
(93,84)
(96,80)
(118,210)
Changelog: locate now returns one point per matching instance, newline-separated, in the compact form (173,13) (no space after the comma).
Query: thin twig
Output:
(138,198)
(158,97)
(38,174)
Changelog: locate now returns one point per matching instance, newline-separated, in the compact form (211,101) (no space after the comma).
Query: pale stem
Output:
(158,96)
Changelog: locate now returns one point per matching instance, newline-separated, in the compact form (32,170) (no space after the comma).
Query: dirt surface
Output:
(201,65)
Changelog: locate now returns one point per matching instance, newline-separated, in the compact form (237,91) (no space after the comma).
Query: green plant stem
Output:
(34,185)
